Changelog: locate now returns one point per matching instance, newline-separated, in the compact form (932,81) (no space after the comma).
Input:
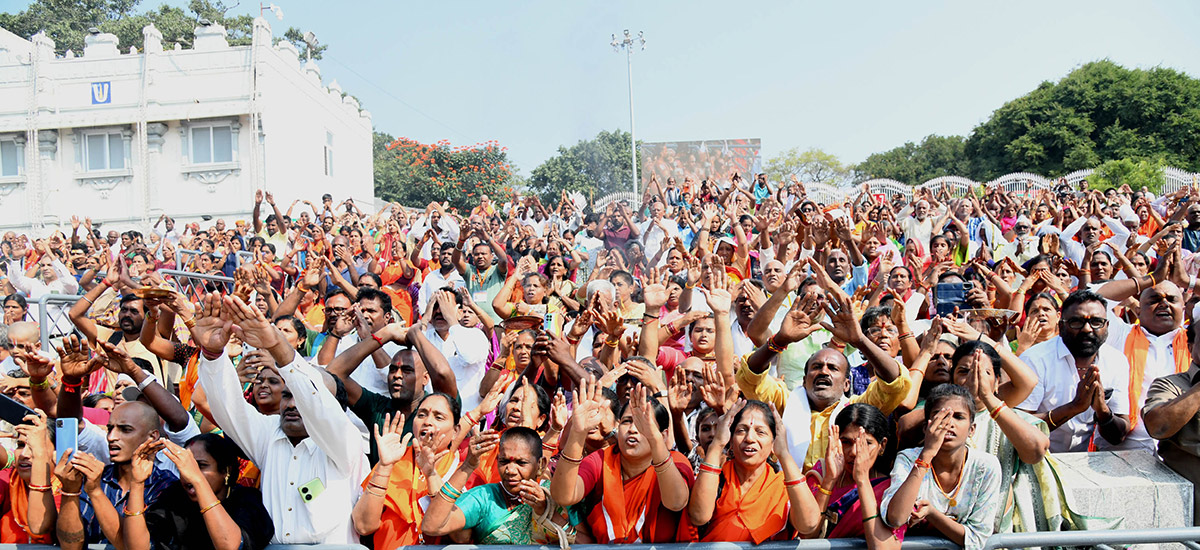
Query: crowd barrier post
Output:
(53,320)
(189,283)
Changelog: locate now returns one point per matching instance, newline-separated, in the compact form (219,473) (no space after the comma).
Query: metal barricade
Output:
(53,321)
(1097,539)
(910,543)
(194,285)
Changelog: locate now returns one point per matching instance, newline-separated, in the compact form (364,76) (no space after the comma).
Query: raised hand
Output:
(724,426)
(716,394)
(588,400)
(560,414)
(37,365)
(250,324)
(389,441)
(643,413)
(481,444)
(75,360)
(679,395)
(70,478)
(212,329)
(798,324)
(835,461)
(935,432)
(142,464)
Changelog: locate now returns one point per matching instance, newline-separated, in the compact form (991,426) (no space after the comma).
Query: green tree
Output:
(416,174)
(913,163)
(1136,174)
(813,165)
(68,21)
(595,167)
(1100,111)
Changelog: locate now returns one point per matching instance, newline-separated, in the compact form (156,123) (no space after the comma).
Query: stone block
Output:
(1133,485)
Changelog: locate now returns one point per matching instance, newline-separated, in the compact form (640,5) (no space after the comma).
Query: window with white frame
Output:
(211,144)
(328,153)
(11,158)
(103,151)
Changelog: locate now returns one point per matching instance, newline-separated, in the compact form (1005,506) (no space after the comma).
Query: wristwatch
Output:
(149,379)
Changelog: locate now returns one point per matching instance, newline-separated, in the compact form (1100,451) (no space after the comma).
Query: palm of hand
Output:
(654,295)
(390,449)
(719,300)
(35,365)
(211,333)
(76,363)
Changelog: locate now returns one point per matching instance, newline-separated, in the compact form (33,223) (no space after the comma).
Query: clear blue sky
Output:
(852,78)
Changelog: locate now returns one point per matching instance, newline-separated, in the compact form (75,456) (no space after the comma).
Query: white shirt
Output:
(1057,376)
(1160,362)
(333,457)
(652,236)
(434,280)
(466,349)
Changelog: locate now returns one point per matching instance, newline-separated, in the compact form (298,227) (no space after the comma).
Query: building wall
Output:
(182,88)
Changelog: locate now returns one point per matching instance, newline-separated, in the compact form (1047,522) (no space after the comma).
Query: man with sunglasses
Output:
(1082,390)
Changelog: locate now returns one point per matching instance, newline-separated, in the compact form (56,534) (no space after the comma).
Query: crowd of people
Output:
(725,361)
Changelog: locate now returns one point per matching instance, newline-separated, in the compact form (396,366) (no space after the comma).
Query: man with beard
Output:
(826,376)
(415,365)
(1082,383)
(94,495)
(311,456)
(130,316)
(1156,345)
(484,280)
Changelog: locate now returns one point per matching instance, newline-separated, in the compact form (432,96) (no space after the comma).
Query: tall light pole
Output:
(627,43)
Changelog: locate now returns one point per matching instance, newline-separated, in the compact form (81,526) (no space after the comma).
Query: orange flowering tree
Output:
(416,174)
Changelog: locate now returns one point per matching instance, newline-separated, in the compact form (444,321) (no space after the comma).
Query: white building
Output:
(125,137)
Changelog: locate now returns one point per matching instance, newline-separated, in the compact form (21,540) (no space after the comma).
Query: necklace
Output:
(958,487)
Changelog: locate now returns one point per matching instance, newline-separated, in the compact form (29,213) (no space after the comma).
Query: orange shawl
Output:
(1137,348)
(401,521)
(631,510)
(14,525)
(757,515)
(191,377)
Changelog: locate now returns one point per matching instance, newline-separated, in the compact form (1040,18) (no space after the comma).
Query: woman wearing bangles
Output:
(398,490)
(745,499)
(634,491)
(29,510)
(517,510)
(207,508)
(943,488)
(851,480)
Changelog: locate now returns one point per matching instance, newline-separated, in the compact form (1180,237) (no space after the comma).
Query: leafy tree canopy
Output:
(1099,112)
(913,163)
(595,167)
(416,174)
(813,165)
(68,21)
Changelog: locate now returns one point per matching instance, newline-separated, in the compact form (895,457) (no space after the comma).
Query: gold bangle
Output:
(824,491)
(190,323)
(209,507)
(129,514)
(379,494)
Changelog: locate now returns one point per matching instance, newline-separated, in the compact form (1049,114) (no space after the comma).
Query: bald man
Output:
(1156,345)
(95,515)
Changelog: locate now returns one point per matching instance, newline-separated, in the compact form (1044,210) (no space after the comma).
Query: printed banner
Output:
(717,158)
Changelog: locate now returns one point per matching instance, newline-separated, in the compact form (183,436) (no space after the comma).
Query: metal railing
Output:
(52,318)
(1097,538)
(910,543)
(193,285)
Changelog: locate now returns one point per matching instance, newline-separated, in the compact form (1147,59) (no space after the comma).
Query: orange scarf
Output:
(191,377)
(634,509)
(401,521)
(14,525)
(757,515)
(1137,348)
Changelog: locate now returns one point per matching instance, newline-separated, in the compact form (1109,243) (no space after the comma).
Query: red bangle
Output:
(793,482)
(771,345)
(377,339)
(706,467)
(104,283)
(72,388)
(922,464)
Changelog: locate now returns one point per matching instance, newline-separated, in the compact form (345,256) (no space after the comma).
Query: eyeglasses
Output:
(876,331)
(1076,323)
